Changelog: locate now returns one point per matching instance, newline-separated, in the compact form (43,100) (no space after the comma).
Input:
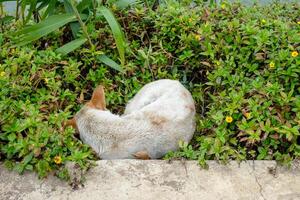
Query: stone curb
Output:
(158,179)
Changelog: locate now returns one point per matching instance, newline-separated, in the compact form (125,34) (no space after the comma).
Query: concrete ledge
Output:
(157,179)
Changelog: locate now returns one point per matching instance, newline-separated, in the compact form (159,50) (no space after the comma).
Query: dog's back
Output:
(168,98)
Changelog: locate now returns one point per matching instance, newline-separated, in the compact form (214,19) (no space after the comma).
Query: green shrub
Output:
(239,62)
(251,65)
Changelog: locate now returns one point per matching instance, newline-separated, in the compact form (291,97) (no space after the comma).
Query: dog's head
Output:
(97,102)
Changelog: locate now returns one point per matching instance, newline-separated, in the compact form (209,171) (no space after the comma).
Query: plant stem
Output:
(84,29)
(1,10)
(23,14)
(17,9)
(1,13)
(94,8)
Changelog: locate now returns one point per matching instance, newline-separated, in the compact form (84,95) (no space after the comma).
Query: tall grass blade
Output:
(116,30)
(106,60)
(39,30)
(71,46)
(75,26)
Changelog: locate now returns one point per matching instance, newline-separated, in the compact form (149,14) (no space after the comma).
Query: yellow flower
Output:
(223,6)
(247,115)
(190,19)
(2,74)
(46,80)
(263,21)
(295,54)
(57,159)
(228,119)
(272,65)
(298,22)
(114,7)
(198,37)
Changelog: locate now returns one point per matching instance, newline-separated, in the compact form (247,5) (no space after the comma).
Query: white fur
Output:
(161,114)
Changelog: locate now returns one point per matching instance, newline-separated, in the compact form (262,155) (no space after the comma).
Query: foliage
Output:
(240,63)
(248,58)
(54,18)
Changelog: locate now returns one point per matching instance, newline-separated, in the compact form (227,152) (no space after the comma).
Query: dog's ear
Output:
(98,99)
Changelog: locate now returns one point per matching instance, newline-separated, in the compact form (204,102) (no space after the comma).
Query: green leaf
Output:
(116,30)
(27,159)
(32,7)
(71,46)
(75,26)
(6,19)
(11,137)
(121,4)
(29,167)
(43,167)
(50,8)
(42,4)
(19,168)
(39,30)
(106,60)
(84,4)
(1,38)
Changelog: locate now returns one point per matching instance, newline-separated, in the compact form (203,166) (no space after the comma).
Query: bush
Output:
(248,58)
(240,63)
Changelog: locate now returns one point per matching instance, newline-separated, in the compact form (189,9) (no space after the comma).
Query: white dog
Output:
(155,120)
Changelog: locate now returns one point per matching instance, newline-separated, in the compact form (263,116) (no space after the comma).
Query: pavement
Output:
(158,179)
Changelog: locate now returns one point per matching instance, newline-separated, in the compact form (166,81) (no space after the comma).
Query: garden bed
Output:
(240,63)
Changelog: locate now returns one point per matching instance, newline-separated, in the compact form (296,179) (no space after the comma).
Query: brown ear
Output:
(70,122)
(98,98)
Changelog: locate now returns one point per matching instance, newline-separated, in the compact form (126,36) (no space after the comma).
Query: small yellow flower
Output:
(247,115)
(228,119)
(190,19)
(2,74)
(272,65)
(298,22)
(295,54)
(57,159)
(114,7)
(263,21)
(223,6)
(198,37)
(46,80)
(218,63)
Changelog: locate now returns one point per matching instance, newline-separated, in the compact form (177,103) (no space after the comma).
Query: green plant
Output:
(75,15)
(240,63)
(251,85)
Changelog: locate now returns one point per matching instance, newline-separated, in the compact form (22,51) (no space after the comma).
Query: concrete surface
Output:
(135,179)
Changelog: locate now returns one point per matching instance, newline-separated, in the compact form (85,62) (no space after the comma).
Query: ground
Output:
(157,179)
